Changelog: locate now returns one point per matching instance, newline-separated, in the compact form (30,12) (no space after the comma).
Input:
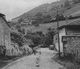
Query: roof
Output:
(6,22)
(77,22)
(72,24)
(1,15)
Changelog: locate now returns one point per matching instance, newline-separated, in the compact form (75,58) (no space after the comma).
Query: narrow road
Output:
(38,61)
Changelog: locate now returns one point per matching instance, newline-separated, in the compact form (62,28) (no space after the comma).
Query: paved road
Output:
(38,61)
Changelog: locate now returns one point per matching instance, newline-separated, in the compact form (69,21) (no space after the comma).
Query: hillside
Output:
(48,9)
(75,10)
(44,27)
(45,9)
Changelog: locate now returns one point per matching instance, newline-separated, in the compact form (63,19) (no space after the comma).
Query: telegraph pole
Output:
(57,17)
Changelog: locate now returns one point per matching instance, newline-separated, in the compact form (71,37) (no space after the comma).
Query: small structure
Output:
(69,36)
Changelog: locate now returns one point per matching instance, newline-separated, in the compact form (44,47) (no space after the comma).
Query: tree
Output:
(60,17)
(20,29)
(36,37)
(47,18)
(41,18)
(20,20)
(37,18)
(49,37)
(16,38)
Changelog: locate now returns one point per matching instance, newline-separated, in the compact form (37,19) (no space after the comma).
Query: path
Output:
(29,62)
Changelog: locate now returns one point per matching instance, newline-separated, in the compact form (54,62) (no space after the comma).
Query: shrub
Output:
(36,38)
(48,39)
(72,66)
(16,38)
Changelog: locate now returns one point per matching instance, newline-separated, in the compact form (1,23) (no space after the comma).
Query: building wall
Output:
(62,32)
(4,33)
(1,33)
(56,41)
(72,45)
(72,42)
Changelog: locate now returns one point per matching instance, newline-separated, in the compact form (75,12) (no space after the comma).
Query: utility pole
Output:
(57,17)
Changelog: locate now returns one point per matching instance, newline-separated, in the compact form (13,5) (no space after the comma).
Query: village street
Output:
(31,62)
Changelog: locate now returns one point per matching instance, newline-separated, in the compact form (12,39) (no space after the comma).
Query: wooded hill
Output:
(47,12)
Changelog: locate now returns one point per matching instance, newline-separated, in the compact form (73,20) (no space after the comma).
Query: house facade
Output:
(69,37)
(62,32)
(4,33)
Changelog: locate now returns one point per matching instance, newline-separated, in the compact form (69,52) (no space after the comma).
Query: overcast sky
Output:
(14,8)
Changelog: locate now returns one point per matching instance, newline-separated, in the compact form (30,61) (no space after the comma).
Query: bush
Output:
(26,50)
(48,40)
(73,50)
(72,66)
(36,38)
(16,38)
(2,50)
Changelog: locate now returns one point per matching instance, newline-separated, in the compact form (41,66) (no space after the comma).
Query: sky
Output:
(14,8)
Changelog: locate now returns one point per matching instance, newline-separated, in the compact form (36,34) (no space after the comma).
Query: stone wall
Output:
(72,45)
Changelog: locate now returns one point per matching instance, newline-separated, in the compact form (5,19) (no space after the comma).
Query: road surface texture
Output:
(41,60)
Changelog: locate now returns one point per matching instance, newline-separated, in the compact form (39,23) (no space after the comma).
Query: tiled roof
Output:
(75,23)
(72,23)
(2,16)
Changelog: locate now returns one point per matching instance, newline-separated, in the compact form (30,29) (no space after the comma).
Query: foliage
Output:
(49,37)
(73,48)
(16,38)
(47,18)
(37,18)
(35,37)
(20,20)
(2,50)
(60,17)
(20,29)
(67,4)
(72,66)
(40,18)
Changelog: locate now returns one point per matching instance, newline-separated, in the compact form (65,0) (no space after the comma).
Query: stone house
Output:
(69,37)
(4,33)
